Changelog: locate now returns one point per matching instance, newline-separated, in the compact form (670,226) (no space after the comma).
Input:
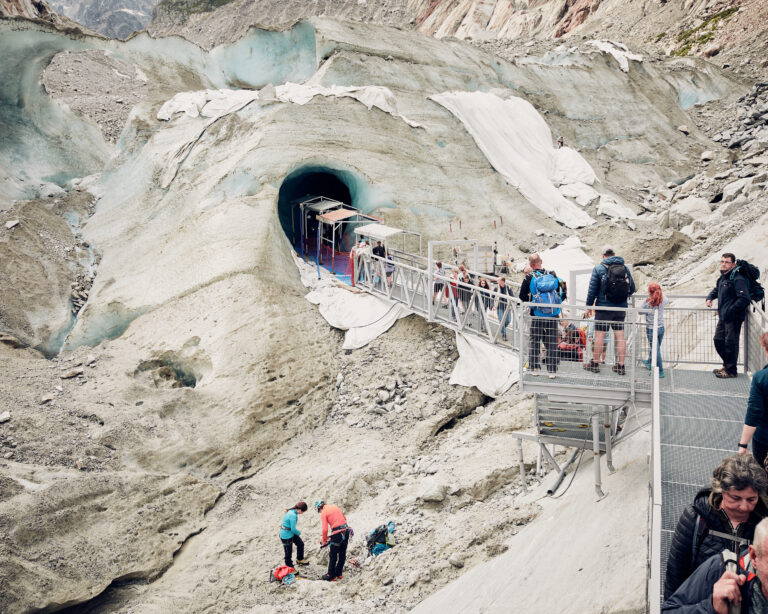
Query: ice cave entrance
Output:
(319,218)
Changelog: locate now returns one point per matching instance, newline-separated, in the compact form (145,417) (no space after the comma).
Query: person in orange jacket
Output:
(331,517)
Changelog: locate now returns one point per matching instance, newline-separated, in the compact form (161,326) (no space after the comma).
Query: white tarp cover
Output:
(566,258)
(377,231)
(619,51)
(217,103)
(582,193)
(518,144)
(483,365)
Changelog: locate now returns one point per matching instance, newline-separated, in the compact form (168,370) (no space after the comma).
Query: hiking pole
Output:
(730,565)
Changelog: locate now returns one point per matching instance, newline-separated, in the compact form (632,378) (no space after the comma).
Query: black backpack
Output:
(377,536)
(752,274)
(616,283)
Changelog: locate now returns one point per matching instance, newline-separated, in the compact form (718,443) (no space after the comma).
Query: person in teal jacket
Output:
(289,534)
(756,421)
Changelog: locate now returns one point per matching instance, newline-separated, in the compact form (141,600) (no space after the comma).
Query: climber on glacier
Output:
(331,517)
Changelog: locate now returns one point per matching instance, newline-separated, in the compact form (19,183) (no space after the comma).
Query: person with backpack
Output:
(755,427)
(289,534)
(720,517)
(611,285)
(733,581)
(542,288)
(332,519)
(732,294)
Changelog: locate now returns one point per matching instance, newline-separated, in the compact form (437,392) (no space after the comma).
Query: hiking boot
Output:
(661,374)
(327,578)
(533,372)
(619,369)
(592,366)
(337,578)
(302,562)
(725,375)
(551,376)
(646,364)
(720,370)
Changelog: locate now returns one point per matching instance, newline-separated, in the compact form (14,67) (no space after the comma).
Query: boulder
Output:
(689,209)
(432,491)
(5,416)
(708,155)
(733,189)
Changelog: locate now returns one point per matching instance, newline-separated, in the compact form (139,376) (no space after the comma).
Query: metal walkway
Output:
(697,423)
(696,418)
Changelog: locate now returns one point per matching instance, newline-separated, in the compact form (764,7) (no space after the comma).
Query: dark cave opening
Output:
(303,184)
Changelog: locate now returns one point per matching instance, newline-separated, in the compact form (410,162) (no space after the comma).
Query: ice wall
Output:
(41,141)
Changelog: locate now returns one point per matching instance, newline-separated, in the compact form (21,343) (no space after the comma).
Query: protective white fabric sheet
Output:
(619,51)
(566,258)
(483,365)
(363,316)
(217,103)
(518,144)
(582,193)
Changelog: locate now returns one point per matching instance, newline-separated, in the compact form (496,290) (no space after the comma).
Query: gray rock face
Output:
(112,18)
(125,525)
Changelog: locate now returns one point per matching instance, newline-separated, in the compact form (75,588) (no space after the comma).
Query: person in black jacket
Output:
(713,589)
(732,294)
(719,518)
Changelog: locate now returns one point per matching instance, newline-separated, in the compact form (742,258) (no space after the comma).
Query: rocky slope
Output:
(112,18)
(145,467)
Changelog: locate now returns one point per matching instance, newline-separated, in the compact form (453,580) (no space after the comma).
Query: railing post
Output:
(596,453)
(522,465)
(746,340)
(633,354)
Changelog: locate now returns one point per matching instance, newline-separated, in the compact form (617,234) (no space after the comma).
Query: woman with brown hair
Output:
(289,534)
(720,517)
(756,421)
(655,302)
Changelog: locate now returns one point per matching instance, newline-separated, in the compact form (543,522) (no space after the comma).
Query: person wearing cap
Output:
(333,519)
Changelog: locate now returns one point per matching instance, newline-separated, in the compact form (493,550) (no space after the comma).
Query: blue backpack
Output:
(544,291)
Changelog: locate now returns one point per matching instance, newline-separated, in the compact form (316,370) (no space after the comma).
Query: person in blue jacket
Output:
(611,285)
(755,427)
(289,534)
(713,589)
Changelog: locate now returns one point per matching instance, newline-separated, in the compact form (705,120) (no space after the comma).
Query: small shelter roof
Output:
(378,231)
(318,205)
(339,214)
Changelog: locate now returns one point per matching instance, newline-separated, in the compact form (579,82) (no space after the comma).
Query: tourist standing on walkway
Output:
(718,518)
(756,421)
(289,534)
(655,303)
(333,520)
(542,287)
(483,299)
(611,285)
(438,282)
(465,288)
(732,294)
(501,305)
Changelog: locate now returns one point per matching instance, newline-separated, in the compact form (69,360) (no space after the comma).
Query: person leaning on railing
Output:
(732,294)
(720,517)
(756,421)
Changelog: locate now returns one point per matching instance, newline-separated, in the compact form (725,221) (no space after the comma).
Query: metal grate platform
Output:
(701,418)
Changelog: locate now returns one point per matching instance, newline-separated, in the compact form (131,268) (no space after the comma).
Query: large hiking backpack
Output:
(545,295)
(381,538)
(752,274)
(617,283)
